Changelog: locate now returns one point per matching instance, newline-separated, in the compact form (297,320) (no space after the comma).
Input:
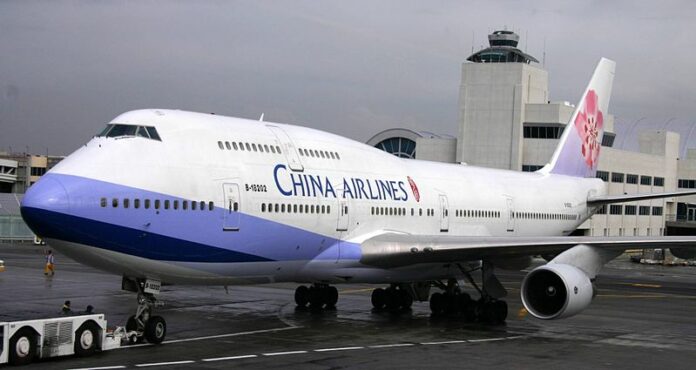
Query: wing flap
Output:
(397,250)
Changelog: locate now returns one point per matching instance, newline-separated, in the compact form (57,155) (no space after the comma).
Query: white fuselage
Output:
(327,192)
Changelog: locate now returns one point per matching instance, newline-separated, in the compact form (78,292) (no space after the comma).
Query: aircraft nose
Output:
(44,198)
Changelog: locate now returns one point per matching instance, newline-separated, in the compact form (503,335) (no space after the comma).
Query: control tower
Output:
(499,83)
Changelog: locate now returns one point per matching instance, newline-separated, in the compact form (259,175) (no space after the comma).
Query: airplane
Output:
(174,197)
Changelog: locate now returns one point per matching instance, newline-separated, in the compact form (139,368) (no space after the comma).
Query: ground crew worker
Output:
(49,263)
(66,310)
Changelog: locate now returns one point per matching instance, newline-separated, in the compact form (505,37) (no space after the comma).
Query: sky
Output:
(353,68)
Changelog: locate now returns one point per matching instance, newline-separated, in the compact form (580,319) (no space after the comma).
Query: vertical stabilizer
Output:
(578,150)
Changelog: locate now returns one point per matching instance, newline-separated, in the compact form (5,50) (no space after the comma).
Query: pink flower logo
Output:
(589,123)
(414,188)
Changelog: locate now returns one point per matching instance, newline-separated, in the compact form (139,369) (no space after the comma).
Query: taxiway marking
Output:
(215,336)
(284,353)
(166,363)
(228,358)
(297,352)
(337,349)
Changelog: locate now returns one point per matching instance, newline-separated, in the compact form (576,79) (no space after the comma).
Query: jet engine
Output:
(556,290)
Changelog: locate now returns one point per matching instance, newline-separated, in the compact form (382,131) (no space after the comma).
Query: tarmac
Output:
(643,316)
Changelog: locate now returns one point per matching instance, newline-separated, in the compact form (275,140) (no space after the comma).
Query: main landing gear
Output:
(318,296)
(395,298)
(487,309)
(143,325)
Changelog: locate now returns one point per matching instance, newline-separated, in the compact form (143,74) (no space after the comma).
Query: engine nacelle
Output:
(556,290)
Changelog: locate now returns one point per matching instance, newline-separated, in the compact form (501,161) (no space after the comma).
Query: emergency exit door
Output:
(232,207)
(444,213)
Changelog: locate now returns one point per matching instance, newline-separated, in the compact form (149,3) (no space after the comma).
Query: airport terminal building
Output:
(508,121)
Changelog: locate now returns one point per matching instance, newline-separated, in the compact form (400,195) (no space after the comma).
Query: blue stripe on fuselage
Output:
(173,235)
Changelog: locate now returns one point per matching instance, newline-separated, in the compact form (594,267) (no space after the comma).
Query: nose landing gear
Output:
(143,325)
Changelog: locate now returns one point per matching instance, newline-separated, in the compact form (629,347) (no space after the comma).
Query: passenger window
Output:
(220,145)
(323,209)
(136,203)
(322,154)
(278,150)
(234,145)
(241,146)
(176,204)
(203,206)
(282,208)
(337,156)
(211,206)
(263,207)
(273,149)
(276,208)
(147,203)
(332,155)
(306,208)
(265,148)
(157,203)
(126,202)
(253,146)
(247,146)
(184,205)
(114,202)
(328,209)
(227,144)
(103,202)
(294,208)
(166,204)
(193,205)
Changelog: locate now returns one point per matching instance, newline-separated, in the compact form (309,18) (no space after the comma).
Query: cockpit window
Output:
(120,130)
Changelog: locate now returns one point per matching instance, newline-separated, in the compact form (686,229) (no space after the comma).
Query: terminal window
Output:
(604,175)
(631,179)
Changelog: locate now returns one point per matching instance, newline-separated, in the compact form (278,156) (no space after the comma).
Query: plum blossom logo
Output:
(414,188)
(589,123)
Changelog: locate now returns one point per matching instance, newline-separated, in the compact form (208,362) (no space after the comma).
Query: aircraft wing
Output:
(396,250)
(621,198)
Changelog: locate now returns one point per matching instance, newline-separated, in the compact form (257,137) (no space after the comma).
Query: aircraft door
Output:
(343,217)
(289,149)
(510,216)
(444,213)
(233,206)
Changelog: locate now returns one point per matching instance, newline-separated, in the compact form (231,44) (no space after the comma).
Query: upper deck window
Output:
(120,130)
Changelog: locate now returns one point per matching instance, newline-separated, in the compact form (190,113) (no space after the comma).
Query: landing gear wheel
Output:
(22,347)
(437,304)
(500,311)
(302,296)
(86,338)
(331,295)
(155,329)
(405,299)
(316,297)
(379,298)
